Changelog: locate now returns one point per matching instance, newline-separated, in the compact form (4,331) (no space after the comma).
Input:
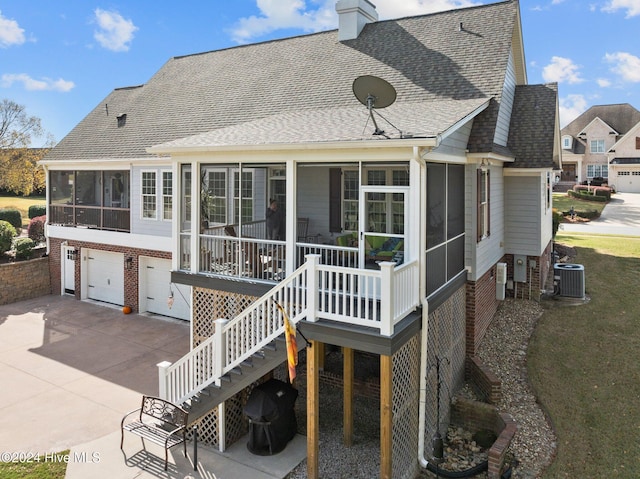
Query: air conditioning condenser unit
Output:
(570,279)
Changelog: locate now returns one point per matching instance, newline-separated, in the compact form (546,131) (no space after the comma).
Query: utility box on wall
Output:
(501,280)
(520,268)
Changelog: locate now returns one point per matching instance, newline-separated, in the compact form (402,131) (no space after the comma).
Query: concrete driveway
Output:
(620,217)
(70,370)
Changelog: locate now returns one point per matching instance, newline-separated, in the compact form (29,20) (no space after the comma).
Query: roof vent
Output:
(353,15)
(122,120)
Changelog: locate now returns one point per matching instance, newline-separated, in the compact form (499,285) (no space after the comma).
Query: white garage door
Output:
(629,181)
(156,288)
(105,276)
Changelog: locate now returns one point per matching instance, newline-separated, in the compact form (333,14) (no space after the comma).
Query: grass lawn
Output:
(41,468)
(564,202)
(22,204)
(583,363)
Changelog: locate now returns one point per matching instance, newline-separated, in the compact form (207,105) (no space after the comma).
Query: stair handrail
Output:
(205,364)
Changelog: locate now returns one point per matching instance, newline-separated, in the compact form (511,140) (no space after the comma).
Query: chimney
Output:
(353,15)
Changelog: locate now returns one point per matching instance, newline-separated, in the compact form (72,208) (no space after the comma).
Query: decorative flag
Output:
(292,345)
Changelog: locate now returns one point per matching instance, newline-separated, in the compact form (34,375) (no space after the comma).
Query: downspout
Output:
(423,384)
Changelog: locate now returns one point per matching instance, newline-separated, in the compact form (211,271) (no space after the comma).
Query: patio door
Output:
(383,216)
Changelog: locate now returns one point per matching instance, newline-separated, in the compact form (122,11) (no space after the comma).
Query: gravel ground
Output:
(503,350)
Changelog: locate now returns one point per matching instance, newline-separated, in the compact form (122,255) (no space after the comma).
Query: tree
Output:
(18,162)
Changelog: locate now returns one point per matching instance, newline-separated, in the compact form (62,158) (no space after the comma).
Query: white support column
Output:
(387,298)
(196,187)
(312,286)
(219,352)
(222,422)
(291,220)
(163,384)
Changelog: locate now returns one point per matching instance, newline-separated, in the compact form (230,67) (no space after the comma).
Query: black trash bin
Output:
(272,419)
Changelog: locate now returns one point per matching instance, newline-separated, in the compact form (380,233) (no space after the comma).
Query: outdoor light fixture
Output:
(128,263)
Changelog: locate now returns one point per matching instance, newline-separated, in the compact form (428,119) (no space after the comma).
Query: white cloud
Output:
(631,6)
(406,8)
(561,70)
(625,64)
(278,14)
(570,108)
(603,82)
(115,32)
(282,14)
(10,32)
(46,84)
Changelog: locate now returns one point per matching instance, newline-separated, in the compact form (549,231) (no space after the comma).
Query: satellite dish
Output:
(374,92)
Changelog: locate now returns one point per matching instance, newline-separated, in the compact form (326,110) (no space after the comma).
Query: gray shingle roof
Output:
(418,120)
(622,117)
(532,132)
(426,58)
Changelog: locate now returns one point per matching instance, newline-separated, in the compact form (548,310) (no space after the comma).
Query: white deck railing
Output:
(372,298)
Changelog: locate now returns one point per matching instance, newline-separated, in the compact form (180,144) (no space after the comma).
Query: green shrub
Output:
(35,230)
(37,210)
(7,232)
(12,216)
(24,248)
(583,195)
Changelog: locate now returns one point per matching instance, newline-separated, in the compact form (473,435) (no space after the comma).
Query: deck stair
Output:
(250,371)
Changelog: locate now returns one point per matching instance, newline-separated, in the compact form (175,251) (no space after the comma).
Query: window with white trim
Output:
(483,204)
(597,146)
(148,192)
(167,195)
(566,142)
(243,196)
(597,170)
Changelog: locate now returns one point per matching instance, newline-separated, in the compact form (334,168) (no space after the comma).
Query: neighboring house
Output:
(161,192)
(600,144)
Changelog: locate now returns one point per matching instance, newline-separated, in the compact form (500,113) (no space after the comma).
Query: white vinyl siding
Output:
(527,222)
(481,256)
(313,184)
(506,105)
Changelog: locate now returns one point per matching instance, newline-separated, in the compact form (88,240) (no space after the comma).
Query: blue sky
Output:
(60,59)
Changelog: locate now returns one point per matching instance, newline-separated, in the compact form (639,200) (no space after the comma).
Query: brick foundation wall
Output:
(24,280)
(536,276)
(130,275)
(475,416)
(485,384)
(481,305)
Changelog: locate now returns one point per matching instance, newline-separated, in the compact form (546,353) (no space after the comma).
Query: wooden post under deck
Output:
(313,409)
(386,416)
(347,399)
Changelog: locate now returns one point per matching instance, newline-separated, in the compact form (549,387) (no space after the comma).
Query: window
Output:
(350,192)
(483,203)
(566,142)
(167,194)
(149,194)
(637,142)
(597,171)
(214,202)
(243,196)
(597,146)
